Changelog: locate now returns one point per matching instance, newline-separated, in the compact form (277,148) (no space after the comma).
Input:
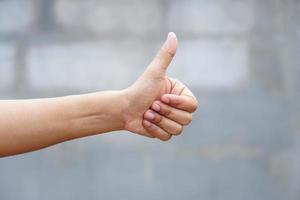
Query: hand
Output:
(156,105)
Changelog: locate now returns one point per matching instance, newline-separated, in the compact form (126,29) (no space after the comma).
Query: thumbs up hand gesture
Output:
(157,105)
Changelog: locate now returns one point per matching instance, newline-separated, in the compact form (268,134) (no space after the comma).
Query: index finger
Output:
(184,102)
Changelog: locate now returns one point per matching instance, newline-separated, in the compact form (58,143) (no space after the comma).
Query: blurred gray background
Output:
(241,58)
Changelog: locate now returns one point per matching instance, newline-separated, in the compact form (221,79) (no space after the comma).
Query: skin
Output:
(155,106)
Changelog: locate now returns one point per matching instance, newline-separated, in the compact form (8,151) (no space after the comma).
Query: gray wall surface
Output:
(241,58)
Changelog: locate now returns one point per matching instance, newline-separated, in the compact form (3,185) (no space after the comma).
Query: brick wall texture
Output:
(241,58)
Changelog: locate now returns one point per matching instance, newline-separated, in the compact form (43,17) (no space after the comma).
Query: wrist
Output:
(99,112)
(117,105)
(108,108)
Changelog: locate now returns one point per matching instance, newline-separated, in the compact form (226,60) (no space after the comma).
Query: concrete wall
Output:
(241,58)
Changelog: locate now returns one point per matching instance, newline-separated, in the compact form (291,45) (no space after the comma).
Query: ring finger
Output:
(166,124)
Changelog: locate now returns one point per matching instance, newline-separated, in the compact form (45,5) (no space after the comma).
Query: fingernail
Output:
(166,99)
(171,43)
(149,115)
(171,34)
(147,123)
(156,107)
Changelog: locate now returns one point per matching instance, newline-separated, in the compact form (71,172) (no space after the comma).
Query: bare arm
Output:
(27,125)
(155,106)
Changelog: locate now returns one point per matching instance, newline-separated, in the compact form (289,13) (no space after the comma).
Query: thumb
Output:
(165,55)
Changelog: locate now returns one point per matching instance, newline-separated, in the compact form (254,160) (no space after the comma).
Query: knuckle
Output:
(166,111)
(174,79)
(158,119)
(165,137)
(188,119)
(194,106)
(178,130)
(158,77)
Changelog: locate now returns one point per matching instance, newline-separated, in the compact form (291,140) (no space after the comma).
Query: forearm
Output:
(155,106)
(27,125)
